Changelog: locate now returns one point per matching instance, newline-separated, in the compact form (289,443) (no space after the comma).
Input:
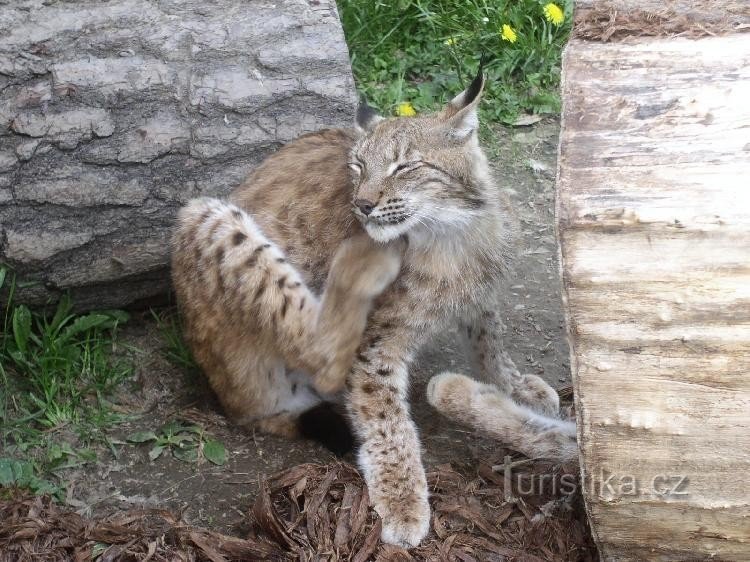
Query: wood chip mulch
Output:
(323,512)
(609,21)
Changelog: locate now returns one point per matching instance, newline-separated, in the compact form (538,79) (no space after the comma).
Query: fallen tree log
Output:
(113,114)
(654,225)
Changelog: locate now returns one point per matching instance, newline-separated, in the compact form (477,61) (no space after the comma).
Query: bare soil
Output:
(219,497)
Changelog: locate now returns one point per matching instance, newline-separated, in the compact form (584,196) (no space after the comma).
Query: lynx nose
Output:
(365,205)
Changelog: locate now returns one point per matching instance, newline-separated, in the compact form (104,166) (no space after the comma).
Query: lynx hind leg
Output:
(483,343)
(248,320)
(365,267)
(486,409)
(255,389)
(484,340)
(221,256)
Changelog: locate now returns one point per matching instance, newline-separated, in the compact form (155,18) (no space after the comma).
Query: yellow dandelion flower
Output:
(508,34)
(553,13)
(450,41)
(405,109)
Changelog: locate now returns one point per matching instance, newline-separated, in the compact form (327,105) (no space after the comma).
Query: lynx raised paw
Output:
(364,267)
(361,270)
(534,392)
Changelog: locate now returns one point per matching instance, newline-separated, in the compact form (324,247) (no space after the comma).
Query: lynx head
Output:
(423,173)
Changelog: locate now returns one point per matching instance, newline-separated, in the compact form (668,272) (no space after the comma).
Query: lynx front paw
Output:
(406,521)
(397,484)
(534,392)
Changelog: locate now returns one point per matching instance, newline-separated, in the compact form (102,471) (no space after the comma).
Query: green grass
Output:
(175,349)
(57,371)
(425,51)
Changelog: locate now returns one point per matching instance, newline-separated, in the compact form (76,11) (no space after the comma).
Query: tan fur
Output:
(429,186)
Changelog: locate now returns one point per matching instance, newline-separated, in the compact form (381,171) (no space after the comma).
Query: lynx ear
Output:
(461,113)
(367,117)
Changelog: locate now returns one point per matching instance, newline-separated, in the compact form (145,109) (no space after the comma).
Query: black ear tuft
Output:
(476,85)
(367,117)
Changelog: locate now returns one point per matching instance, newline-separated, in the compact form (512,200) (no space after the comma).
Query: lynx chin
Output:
(329,268)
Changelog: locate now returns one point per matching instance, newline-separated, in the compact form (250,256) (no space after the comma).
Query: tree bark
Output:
(113,114)
(654,225)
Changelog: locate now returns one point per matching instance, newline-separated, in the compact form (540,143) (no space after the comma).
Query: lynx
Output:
(337,259)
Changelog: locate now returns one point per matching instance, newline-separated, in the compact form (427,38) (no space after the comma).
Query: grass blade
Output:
(21,328)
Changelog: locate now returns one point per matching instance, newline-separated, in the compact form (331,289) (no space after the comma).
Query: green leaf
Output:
(3,273)
(181,438)
(141,436)
(214,452)
(21,327)
(55,452)
(98,549)
(156,452)
(186,454)
(86,454)
(16,473)
(62,315)
(171,428)
(119,316)
(41,487)
(7,474)
(83,324)
(24,473)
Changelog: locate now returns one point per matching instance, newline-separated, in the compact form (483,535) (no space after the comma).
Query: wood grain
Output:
(653,214)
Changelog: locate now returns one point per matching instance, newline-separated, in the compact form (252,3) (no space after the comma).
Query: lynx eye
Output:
(356,167)
(406,167)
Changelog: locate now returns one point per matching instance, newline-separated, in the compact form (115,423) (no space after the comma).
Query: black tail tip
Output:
(327,425)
